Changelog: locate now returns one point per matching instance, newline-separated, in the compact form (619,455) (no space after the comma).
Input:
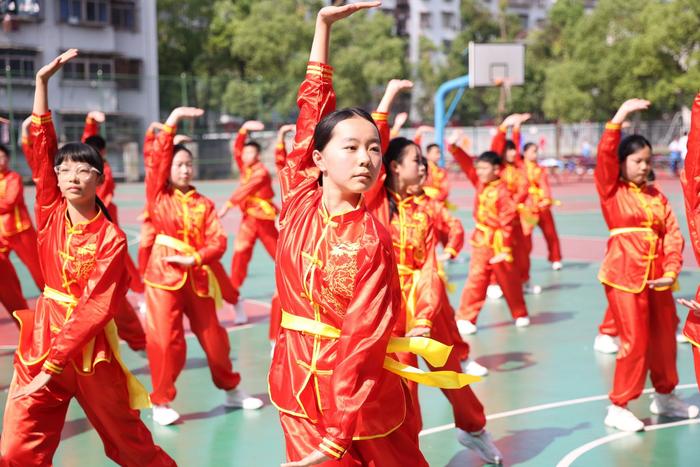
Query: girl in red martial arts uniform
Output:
(425,307)
(68,347)
(339,288)
(642,261)
(179,278)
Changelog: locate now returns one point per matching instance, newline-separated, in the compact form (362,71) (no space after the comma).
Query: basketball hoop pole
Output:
(442,116)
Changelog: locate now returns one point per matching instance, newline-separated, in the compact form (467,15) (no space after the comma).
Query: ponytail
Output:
(103,208)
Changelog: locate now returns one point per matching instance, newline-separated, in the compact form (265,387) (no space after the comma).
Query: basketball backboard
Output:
(492,64)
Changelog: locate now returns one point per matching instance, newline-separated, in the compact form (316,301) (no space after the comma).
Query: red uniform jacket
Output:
(690,178)
(645,241)
(337,272)
(189,218)
(254,194)
(495,210)
(14,217)
(83,263)
(436,184)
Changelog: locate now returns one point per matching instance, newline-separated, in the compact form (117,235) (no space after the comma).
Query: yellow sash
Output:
(265,205)
(187,249)
(411,299)
(138,396)
(624,230)
(496,242)
(431,350)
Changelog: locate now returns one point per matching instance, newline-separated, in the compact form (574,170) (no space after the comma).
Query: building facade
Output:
(116,71)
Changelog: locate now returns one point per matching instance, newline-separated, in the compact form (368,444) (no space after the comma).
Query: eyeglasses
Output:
(83,172)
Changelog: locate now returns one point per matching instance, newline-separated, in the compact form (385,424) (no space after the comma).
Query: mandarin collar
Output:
(344,217)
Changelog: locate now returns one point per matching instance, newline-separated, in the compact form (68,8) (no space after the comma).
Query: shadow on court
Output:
(519,446)
(509,361)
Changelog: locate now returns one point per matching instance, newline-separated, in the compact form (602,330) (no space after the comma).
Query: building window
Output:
(88,68)
(425,20)
(448,20)
(21,64)
(127,73)
(124,15)
(84,12)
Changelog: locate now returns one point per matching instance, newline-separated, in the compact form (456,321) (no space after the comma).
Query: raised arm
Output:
(380,116)
(161,157)
(26,142)
(315,99)
(241,138)
(399,122)
(690,179)
(44,144)
(281,147)
(420,132)
(463,159)
(607,169)
(92,124)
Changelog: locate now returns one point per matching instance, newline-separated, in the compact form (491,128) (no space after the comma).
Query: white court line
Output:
(538,408)
(578,452)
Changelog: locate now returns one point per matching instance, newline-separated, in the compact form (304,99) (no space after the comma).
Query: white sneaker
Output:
(605,344)
(494,292)
(482,444)
(670,405)
(556,266)
(466,327)
(241,317)
(532,289)
(164,415)
(471,367)
(622,419)
(238,398)
(522,322)
(681,339)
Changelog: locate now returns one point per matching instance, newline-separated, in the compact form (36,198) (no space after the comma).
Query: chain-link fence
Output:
(129,104)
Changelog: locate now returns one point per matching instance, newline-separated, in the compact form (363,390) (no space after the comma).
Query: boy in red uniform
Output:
(494,212)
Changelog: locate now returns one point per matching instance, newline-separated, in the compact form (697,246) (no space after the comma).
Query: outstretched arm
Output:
(280,146)
(463,159)
(241,138)
(92,124)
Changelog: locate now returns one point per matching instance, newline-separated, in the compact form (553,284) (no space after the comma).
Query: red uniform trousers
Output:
(608,326)
(474,292)
(165,344)
(251,230)
(24,245)
(521,248)
(466,408)
(38,419)
(398,449)
(647,324)
(129,326)
(11,291)
(549,230)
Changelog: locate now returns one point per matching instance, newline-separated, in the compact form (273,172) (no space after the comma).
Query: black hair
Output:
(528,146)
(181,147)
(424,162)
(431,146)
(5,149)
(254,144)
(490,157)
(324,130)
(395,152)
(652,176)
(97,142)
(87,154)
(631,144)
(510,144)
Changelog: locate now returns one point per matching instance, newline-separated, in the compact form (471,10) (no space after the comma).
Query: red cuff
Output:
(331,448)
